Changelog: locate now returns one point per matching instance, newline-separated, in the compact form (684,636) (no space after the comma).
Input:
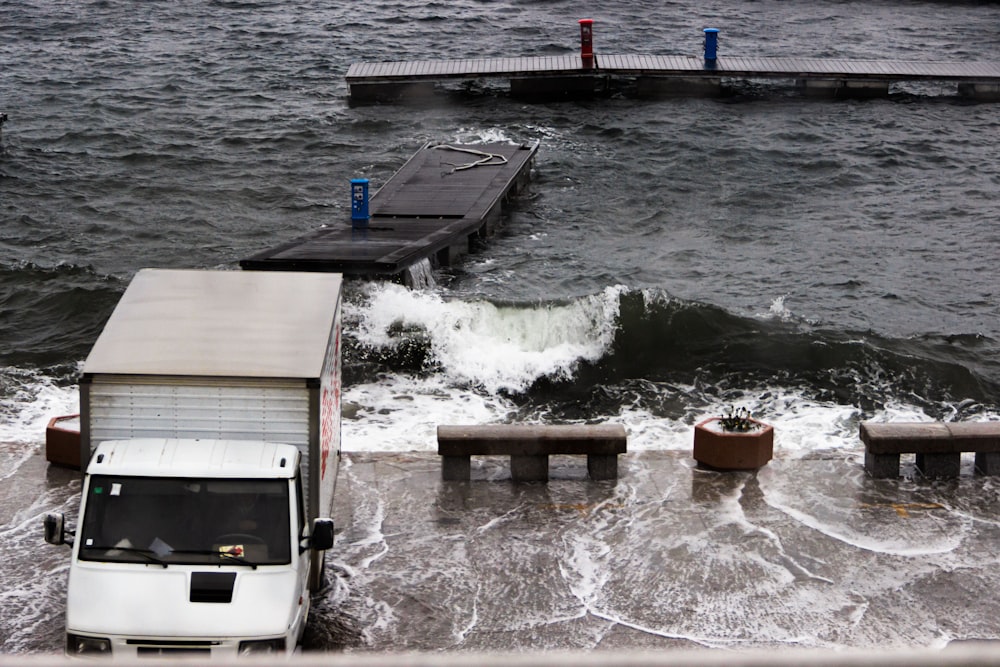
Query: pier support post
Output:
(980,91)
(413,91)
(453,254)
(3,119)
(555,87)
(841,88)
(673,86)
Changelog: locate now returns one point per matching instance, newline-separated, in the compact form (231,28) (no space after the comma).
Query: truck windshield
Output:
(172,520)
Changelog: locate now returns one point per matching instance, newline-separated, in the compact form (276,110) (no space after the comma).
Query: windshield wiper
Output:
(239,560)
(146,553)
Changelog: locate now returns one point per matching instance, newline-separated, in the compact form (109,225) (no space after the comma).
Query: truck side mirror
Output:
(322,534)
(55,531)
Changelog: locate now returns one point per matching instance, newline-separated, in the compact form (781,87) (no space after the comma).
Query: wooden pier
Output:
(433,208)
(652,75)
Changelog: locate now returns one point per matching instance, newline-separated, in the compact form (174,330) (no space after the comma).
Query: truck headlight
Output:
(80,645)
(262,646)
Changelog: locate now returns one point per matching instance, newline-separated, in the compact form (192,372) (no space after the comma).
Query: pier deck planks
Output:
(426,207)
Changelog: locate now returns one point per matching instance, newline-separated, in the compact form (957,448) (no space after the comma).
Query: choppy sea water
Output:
(820,262)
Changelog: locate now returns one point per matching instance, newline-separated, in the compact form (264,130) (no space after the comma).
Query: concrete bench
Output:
(529,447)
(938,446)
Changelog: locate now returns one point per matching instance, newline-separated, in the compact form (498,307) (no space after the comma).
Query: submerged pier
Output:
(591,73)
(431,211)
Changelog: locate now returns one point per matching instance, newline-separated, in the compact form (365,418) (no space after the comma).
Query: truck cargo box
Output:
(222,355)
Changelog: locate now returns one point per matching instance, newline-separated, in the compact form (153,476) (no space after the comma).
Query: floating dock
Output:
(567,74)
(442,200)
(590,73)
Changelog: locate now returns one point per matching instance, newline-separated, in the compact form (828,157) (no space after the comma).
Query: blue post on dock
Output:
(711,44)
(359,202)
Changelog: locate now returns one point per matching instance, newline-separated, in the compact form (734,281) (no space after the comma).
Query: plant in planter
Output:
(734,441)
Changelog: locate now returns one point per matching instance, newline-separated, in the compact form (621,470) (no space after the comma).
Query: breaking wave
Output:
(621,340)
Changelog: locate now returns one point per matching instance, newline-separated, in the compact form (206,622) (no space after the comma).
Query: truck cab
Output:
(190,547)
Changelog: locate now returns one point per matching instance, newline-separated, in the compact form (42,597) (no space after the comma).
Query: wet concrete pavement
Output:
(803,553)
(806,552)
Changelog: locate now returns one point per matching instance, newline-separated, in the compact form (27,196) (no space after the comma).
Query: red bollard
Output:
(587,42)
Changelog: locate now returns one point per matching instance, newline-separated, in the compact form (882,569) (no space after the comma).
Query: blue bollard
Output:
(711,43)
(359,201)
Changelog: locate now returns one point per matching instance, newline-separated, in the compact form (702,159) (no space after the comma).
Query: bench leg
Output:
(939,465)
(602,466)
(529,468)
(881,466)
(988,463)
(456,468)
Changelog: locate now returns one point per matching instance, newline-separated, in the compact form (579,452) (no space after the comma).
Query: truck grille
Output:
(151,647)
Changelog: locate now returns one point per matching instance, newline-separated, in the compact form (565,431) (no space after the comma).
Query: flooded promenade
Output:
(805,553)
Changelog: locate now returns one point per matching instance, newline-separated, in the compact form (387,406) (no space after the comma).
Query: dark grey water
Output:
(822,262)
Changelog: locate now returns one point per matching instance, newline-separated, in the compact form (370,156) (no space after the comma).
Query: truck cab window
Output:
(180,520)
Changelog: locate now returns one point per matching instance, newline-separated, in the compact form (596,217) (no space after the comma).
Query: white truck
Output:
(210,440)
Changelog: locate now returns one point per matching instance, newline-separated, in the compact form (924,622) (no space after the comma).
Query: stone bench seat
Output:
(938,446)
(529,447)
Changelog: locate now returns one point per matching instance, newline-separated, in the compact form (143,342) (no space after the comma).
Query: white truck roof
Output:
(270,324)
(165,457)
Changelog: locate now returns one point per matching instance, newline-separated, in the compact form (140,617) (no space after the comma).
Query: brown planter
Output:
(62,441)
(732,450)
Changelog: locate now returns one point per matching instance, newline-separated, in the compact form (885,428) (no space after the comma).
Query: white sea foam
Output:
(483,135)
(25,413)
(842,519)
(494,347)
(778,310)
(484,353)
(802,425)
(401,413)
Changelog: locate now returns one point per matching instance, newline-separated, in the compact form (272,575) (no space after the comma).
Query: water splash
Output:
(499,348)
(420,275)
(778,310)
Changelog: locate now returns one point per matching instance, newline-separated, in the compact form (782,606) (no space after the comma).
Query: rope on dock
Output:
(486,159)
